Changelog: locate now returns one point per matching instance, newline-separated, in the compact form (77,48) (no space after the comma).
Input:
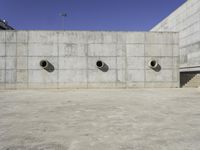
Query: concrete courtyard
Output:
(104,119)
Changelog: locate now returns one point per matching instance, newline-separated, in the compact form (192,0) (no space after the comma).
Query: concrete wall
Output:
(74,54)
(186,21)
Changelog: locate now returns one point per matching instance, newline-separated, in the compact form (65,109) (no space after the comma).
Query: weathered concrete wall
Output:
(74,54)
(186,21)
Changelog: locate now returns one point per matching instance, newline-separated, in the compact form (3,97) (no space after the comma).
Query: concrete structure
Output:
(72,57)
(186,21)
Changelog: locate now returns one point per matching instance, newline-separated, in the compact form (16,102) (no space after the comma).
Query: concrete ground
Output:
(137,119)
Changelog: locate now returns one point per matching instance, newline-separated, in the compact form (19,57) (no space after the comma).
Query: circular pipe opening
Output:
(153,64)
(43,63)
(99,64)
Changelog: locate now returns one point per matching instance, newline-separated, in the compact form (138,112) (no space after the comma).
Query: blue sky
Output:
(116,15)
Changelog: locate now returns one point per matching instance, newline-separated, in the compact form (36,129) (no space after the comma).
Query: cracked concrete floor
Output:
(105,119)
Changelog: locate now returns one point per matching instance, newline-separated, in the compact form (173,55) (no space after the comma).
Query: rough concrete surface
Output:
(73,55)
(186,21)
(138,119)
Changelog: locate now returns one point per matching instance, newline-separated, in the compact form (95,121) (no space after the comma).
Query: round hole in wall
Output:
(99,63)
(43,63)
(153,63)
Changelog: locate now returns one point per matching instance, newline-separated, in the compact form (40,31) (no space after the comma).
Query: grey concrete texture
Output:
(97,119)
(186,21)
(74,54)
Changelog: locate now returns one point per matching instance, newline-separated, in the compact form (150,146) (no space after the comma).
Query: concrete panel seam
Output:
(58,56)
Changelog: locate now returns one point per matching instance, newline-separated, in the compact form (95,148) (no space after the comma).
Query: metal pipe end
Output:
(44,63)
(100,64)
(153,64)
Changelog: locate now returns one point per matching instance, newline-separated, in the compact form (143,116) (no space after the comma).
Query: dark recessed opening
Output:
(153,63)
(99,63)
(46,65)
(43,63)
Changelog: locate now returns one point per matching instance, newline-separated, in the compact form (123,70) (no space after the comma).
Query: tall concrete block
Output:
(73,56)
(185,20)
